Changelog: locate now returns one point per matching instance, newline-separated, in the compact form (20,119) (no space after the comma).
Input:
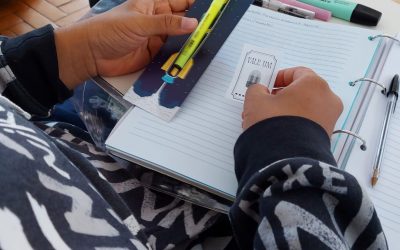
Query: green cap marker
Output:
(350,11)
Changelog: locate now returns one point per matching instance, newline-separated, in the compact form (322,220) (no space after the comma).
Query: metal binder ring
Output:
(370,81)
(371,38)
(363,146)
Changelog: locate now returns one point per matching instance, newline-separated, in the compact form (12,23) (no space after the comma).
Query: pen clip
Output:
(394,90)
(293,12)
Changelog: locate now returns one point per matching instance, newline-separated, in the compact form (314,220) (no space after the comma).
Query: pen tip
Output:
(374,180)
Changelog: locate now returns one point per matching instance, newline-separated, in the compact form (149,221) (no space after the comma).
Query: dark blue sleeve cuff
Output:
(32,58)
(279,138)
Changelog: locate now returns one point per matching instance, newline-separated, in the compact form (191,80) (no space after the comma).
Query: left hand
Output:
(119,41)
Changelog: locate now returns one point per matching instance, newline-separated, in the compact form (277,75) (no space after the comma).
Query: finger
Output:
(286,76)
(180,13)
(162,7)
(307,83)
(141,6)
(154,45)
(180,5)
(276,90)
(256,90)
(154,25)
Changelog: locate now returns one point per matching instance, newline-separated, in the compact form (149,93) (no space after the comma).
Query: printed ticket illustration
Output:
(256,65)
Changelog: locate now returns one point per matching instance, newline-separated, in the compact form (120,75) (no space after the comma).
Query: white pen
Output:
(392,95)
(285,8)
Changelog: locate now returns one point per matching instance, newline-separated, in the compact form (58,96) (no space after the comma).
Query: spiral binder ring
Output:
(352,83)
(371,38)
(363,146)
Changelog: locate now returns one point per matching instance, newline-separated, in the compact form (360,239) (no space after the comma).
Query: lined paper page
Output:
(198,143)
(386,193)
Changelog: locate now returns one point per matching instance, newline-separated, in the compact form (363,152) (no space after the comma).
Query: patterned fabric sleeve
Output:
(29,71)
(303,201)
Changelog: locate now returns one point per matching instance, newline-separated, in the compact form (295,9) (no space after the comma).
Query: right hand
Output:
(305,94)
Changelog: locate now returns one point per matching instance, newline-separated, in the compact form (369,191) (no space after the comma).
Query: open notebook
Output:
(385,195)
(197,145)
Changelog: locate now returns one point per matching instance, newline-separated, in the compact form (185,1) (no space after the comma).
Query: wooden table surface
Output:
(20,16)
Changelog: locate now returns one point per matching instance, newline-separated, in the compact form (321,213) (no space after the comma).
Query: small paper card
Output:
(256,65)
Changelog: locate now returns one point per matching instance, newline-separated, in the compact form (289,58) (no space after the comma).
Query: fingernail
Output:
(188,23)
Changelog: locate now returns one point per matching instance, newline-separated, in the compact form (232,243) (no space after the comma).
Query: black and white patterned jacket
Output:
(58,191)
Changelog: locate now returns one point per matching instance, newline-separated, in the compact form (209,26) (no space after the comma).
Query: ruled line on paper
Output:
(177,145)
(315,42)
(193,155)
(199,140)
(385,194)
(254,12)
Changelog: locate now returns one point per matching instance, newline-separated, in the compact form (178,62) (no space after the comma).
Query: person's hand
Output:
(305,94)
(120,41)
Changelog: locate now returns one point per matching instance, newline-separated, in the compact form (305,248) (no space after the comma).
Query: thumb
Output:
(153,25)
(256,90)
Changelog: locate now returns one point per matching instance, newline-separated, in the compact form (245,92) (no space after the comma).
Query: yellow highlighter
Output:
(179,64)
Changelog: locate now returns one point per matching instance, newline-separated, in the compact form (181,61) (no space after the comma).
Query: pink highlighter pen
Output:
(320,14)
